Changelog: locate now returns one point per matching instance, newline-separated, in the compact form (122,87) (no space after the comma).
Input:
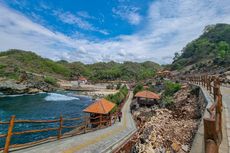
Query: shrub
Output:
(171,88)
(2,66)
(118,86)
(167,100)
(118,97)
(50,80)
(138,87)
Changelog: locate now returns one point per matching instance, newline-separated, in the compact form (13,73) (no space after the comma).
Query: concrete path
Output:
(226,120)
(99,141)
(198,143)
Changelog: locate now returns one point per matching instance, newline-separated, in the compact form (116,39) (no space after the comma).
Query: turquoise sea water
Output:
(42,106)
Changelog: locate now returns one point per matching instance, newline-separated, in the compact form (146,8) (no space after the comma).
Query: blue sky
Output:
(103,30)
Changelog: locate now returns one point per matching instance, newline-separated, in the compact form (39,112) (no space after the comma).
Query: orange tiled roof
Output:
(101,106)
(147,94)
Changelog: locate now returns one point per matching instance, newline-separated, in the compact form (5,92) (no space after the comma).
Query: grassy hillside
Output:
(13,62)
(211,49)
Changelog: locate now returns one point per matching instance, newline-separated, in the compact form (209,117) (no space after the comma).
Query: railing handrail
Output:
(101,122)
(212,123)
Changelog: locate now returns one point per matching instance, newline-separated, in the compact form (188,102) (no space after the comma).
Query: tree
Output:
(223,49)
(176,56)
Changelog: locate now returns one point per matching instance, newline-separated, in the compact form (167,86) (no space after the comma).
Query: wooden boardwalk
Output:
(103,140)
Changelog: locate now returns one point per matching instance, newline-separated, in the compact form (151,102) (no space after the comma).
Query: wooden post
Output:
(219,116)
(215,91)
(208,82)
(110,119)
(60,128)
(203,81)
(86,124)
(9,134)
(100,120)
(209,85)
(211,146)
(210,130)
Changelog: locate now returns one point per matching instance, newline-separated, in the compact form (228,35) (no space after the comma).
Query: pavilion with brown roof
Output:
(100,112)
(147,98)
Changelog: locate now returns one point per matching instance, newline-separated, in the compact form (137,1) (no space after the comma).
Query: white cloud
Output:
(128,13)
(68,17)
(85,14)
(171,25)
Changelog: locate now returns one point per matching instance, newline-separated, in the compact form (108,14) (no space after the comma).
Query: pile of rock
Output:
(225,77)
(164,133)
(169,129)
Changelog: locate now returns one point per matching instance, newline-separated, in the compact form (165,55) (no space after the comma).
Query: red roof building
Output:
(147,94)
(147,98)
(101,106)
(100,112)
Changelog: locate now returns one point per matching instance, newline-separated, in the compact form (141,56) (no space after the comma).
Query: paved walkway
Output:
(103,140)
(226,102)
(198,143)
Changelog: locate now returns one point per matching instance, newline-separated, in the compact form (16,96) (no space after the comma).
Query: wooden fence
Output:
(84,126)
(212,122)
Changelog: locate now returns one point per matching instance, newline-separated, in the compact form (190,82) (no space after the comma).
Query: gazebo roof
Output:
(102,106)
(147,94)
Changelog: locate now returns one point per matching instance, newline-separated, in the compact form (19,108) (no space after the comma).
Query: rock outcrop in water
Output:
(13,87)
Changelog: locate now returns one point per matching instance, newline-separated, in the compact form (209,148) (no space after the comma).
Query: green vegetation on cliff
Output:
(13,62)
(211,48)
(119,96)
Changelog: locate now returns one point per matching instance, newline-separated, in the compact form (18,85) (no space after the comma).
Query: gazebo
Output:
(100,112)
(147,98)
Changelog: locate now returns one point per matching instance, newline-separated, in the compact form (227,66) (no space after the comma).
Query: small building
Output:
(82,80)
(100,112)
(147,98)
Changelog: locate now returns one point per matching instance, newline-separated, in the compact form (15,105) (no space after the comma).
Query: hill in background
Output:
(211,51)
(14,62)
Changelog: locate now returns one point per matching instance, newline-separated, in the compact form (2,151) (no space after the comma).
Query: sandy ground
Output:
(95,90)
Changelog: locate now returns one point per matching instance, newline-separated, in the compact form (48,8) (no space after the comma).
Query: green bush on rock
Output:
(50,80)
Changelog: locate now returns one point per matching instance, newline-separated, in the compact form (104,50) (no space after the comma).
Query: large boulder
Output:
(12,87)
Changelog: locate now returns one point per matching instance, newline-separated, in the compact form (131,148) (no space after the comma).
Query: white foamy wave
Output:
(59,97)
(18,95)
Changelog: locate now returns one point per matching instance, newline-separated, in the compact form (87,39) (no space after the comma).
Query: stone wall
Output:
(205,101)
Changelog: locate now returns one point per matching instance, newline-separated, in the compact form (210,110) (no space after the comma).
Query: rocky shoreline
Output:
(12,87)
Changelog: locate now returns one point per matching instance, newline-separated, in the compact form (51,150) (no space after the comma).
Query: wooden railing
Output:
(84,126)
(212,122)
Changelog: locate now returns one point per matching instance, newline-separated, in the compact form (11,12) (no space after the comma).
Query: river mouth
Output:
(42,106)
